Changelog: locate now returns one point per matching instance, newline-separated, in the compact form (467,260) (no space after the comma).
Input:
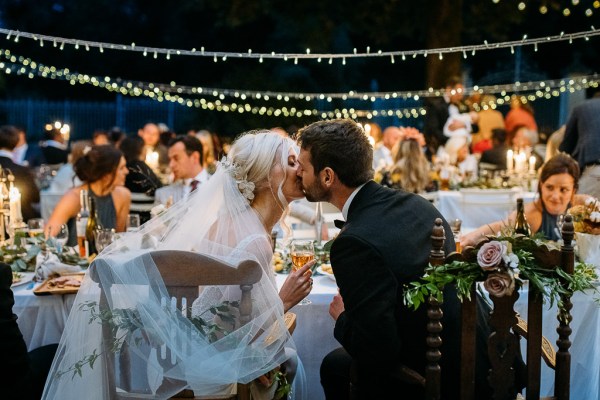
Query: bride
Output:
(230,217)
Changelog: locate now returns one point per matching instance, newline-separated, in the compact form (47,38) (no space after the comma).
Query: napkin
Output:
(47,264)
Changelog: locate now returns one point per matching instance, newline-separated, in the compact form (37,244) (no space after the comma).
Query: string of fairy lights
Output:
(565,9)
(529,91)
(80,44)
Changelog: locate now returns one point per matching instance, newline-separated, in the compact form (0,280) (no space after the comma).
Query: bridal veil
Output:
(216,220)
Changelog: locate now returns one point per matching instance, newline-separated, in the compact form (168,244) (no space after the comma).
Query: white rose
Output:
(595,216)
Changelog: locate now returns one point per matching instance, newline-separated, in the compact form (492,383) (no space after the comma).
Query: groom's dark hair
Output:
(341,145)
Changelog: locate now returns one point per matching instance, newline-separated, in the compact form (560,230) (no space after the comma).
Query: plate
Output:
(327,274)
(26,277)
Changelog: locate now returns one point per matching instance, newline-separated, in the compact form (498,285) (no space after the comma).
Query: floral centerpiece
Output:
(503,263)
(586,221)
(23,252)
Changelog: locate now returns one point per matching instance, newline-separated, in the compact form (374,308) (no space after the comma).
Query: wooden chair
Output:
(505,325)
(183,272)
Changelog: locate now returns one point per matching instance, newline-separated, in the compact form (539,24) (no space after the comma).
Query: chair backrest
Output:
(503,341)
(183,272)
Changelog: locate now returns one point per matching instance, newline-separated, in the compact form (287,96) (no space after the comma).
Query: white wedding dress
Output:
(216,220)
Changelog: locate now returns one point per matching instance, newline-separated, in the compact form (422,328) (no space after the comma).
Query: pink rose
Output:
(500,284)
(489,255)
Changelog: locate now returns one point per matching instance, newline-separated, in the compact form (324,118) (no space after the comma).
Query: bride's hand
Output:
(297,286)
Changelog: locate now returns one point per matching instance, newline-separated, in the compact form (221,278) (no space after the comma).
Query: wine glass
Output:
(560,220)
(302,251)
(61,237)
(133,222)
(103,238)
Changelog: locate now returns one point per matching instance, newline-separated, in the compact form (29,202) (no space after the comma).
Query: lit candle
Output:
(532,164)
(152,159)
(15,206)
(509,160)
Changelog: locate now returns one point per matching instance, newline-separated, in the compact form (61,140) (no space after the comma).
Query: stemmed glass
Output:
(560,220)
(302,251)
(36,227)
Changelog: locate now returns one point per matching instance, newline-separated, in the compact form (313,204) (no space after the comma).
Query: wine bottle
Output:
(93,224)
(82,220)
(521,224)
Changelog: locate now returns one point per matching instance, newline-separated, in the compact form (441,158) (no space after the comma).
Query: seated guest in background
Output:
(23,373)
(520,114)
(457,148)
(185,162)
(525,138)
(382,155)
(102,169)
(559,179)
(411,168)
(116,135)
(150,134)
(489,119)
(141,179)
(377,331)
(65,178)
(24,180)
(496,156)
(208,146)
(54,147)
(25,154)
(100,137)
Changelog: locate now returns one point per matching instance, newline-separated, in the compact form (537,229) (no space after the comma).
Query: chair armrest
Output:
(548,352)
(290,321)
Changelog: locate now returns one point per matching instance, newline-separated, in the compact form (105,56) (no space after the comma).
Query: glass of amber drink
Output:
(302,251)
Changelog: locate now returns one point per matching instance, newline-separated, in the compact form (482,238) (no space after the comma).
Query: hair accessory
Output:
(241,179)
(86,149)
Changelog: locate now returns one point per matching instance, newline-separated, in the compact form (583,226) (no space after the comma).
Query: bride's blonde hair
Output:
(256,153)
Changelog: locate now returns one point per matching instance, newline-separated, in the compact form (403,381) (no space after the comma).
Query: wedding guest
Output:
(208,156)
(66,178)
(116,135)
(438,112)
(186,164)
(554,141)
(150,134)
(377,331)
(411,166)
(54,147)
(25,154)
(526,139)
(496,156)
(489,119)
(556,191)
(582,141)
(100,137)
(102,169)
(24,180)
(382,155)
(23,373)
(141,179)
(520,114)
(457,149)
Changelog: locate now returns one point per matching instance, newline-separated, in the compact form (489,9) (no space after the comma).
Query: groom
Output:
(384,244)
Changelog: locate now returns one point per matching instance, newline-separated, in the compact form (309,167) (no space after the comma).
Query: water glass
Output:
(61,237)
(103,238)
(133,222)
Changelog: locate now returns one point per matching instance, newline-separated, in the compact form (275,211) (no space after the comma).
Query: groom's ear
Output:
(327,177)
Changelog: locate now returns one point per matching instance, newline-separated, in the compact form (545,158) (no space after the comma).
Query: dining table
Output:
(42,320)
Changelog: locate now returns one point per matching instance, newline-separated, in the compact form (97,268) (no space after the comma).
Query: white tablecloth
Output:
(42,320)
(477,207)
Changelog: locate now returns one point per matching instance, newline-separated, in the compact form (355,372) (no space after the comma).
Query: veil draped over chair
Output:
(216,220)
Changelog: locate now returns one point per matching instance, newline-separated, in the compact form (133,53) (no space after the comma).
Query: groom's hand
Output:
(336,307)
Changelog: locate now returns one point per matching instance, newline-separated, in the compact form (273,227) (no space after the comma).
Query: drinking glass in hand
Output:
(302,251)
(36,227)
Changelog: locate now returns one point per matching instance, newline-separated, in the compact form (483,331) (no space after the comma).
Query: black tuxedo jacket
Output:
(26,184)
(496,156)
(55,155)
(34,156)
(384,244)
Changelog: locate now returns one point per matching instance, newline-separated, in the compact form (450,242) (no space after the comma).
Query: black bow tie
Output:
(338,223)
